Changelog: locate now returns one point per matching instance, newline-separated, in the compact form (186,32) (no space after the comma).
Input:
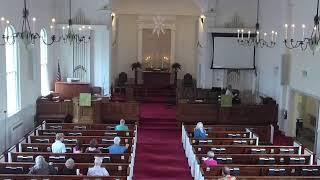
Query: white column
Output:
(173,44)
(317,139)
(140,37)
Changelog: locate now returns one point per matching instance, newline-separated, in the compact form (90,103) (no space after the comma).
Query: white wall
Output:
(163,7)
(30,69)
(275,14)
(223,12)
(91,8)
(99,46)
(127,44)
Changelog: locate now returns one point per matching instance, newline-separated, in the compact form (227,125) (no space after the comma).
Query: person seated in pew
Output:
(199,131)
(122,126)
(41,167)
(97,170)
(226,174)
(58,146)
(69,168)
(78,148)
(116,148)
(93,147)
(210,161)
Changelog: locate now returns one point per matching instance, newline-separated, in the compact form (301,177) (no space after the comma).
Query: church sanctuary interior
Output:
(159,89)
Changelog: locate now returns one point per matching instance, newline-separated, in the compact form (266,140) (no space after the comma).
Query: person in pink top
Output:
(209,161)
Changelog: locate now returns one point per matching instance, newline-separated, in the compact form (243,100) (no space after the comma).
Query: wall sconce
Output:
(202,17)
(112,16)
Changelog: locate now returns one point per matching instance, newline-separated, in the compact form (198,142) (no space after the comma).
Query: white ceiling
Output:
(167,7)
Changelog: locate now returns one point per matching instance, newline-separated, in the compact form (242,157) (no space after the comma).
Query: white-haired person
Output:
(226,174)
(58,146)
(97,170)
(210,161)
(69,168)
(122,126)
(199,131)
(41,167)
(116,148)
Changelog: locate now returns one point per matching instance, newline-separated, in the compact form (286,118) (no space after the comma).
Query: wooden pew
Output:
(263,170)
(259,114)
(57,177)
(265,133)
(72,132)
(270,177)
(245,149)
(280,159)
(112,112)
(225,134)
(82,126)
(44,147)
(78,158)
(114,169)
(83,139)
(223,141)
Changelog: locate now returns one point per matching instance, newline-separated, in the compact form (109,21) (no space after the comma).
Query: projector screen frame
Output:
(235,35)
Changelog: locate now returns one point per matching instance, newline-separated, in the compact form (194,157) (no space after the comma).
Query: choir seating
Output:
(21,158)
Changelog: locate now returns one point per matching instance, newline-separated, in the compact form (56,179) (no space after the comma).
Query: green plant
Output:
(135,66)
(176,67)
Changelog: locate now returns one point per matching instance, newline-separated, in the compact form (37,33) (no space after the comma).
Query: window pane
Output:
(44,64)
(12,75)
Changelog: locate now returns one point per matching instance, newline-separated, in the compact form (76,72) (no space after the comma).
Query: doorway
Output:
(306,116)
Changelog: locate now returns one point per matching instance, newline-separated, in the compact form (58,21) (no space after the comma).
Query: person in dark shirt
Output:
(93,147)
(69,168)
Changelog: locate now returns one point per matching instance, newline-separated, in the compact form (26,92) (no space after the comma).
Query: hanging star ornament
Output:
(158,25)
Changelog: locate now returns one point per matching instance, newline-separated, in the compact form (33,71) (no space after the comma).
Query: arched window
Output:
(12,74)
(44,64)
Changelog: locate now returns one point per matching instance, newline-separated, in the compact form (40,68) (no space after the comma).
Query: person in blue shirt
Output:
(122,126)
(58,146)
(116,148)
(199,131)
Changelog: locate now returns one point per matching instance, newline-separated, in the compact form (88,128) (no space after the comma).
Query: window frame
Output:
(44,86)
(15,68)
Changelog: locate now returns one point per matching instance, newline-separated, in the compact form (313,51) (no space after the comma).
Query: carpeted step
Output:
(159,153)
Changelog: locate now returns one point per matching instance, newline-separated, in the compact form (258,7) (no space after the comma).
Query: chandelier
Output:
(256,38)
(312,42)
(27,35)
(69,32)
(158,25)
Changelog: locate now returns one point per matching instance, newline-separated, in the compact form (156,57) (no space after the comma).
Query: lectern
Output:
(87,114)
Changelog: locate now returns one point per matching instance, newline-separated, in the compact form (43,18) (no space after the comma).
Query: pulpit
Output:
(156,79)
(71,90)
(87,114)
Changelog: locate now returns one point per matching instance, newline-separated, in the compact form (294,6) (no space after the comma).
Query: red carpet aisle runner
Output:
(159,153)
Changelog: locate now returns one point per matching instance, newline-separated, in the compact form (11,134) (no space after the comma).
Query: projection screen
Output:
(228,54)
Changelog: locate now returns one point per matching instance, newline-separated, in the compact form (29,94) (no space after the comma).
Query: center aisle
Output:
(159,153)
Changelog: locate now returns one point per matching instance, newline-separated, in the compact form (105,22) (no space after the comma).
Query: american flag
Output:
(58,78)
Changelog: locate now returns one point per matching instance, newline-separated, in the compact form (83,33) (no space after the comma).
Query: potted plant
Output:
(176,67)
(135,67)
